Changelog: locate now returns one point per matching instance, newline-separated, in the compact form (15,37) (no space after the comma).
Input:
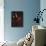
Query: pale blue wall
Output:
(43,6)
(29,7)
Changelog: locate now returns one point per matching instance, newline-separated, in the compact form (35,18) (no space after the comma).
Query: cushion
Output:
(20,42)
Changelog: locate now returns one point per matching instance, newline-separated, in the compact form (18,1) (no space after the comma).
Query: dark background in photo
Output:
(17,18)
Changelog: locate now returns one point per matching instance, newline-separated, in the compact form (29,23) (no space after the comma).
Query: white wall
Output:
(1,20)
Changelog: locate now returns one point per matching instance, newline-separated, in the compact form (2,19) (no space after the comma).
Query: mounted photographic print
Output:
(17,18)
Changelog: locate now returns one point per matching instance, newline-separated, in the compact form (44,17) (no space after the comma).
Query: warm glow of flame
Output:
(16,15)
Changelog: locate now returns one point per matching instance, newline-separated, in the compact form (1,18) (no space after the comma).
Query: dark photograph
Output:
(17,18)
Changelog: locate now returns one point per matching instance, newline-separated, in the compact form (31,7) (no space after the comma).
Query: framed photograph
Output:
(17,18)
